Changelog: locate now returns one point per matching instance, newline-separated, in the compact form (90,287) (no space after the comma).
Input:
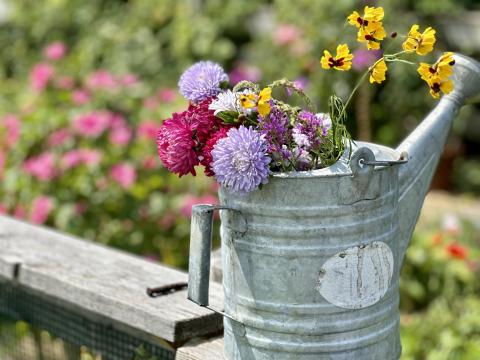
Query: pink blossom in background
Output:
(362,59)
(41,208)
(71,159)
(41,167)
(65,82)
(129,80)
(124,174)
(286,34)
(80,97)
(40,76)
(167,95)
(147,129)
(151,102)
(74,158)
(91,157)
(167,220)
(116,120)
(189,201)
(120,136)
(92,124)
(55,51)
(12,126)
(3,209)
(2,163)
(245,72)
(80,208)
(150,162)
(20,212)
(59,137)
(151,257)
(102,80)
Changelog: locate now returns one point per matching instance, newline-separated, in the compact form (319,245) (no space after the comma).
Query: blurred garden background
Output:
(85,84)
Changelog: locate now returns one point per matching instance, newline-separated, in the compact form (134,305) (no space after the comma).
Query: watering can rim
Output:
(342,167)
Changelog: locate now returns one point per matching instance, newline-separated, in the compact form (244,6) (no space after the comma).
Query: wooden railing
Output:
(106,286)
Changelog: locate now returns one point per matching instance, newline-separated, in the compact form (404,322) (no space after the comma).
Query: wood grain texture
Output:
(104,281)
(202,349)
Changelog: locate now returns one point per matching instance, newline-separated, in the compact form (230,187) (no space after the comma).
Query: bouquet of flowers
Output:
(242,135)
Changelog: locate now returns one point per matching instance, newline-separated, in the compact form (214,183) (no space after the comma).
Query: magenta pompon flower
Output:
(202,80)
(176,145)
(240,160)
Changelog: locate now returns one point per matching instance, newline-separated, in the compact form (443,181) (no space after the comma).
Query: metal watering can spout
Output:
(425,145)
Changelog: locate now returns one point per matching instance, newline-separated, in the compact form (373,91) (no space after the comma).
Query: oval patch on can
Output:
(357,277)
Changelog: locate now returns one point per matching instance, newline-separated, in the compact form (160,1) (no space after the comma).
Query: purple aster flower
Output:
(202,80)
(309,130)
(240,160)
(275,128)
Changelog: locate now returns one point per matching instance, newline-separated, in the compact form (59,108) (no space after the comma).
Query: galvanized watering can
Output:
(311,262)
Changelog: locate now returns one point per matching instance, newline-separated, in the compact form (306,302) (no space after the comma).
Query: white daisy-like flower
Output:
(225,101)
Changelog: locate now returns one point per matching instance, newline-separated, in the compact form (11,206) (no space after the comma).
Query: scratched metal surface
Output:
(311,262)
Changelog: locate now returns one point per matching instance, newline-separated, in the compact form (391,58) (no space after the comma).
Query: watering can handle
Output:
(200,249)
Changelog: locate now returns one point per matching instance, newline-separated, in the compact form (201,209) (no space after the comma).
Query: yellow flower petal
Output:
(422,43)
(265,94)
(372,37)
(373,14)
(342,61)
(378,71)
(355,19)
(264,108)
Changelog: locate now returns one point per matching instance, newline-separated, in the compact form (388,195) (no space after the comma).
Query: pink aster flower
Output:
(92,124)
(123,174)
(3,209)
(12,126)
(41,167)
(147,129)
(55,51)
(40,76)
(176,147)
(42,206)
(80,97)
(120,136)
(102,80)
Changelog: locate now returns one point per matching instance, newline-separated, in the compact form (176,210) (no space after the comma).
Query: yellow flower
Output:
(371,14)
(377,72)
(343,60)
(436,75)
(264,101)
(248,100)
(372,35)
(422,43)
(438,85)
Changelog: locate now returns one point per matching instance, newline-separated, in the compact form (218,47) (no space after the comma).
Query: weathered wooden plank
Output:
(104,281)
(202,349)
